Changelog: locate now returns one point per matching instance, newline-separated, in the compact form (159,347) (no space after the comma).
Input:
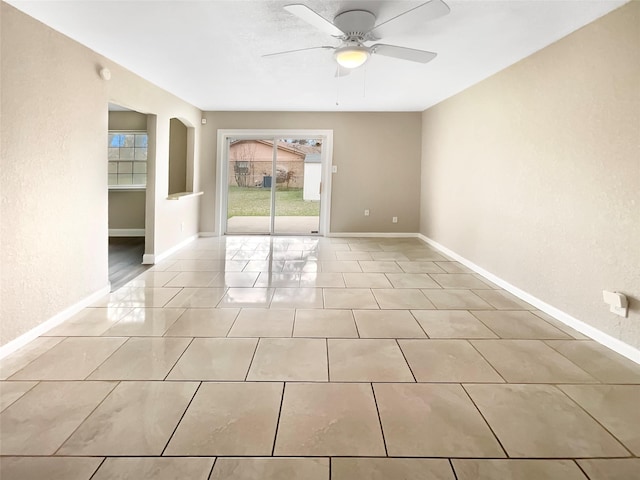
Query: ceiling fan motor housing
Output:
(355,23)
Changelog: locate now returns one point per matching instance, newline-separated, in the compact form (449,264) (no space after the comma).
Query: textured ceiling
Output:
(209,52)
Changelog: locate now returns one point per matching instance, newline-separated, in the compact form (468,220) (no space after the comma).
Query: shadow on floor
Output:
(125,260)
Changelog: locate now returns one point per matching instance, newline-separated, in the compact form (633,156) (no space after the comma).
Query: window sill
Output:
(181,195)
(130,188)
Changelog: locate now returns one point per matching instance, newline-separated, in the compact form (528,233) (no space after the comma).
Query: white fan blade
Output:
(312,18)
(403,53)
(298,50)
(411,18)
(342,72)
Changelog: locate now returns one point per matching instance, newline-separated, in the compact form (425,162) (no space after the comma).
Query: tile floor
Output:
(316,358)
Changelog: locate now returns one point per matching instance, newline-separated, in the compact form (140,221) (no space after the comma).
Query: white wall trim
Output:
(372,234)
(126,232)
(151,259)
(599,336)
(54,321)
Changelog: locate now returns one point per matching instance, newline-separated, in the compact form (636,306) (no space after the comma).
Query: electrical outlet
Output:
(394,220)
(334,169)
(182,226)
(366,212)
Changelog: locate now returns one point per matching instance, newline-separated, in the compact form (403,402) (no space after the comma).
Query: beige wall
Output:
(534,174)
(177,156)
(377,154)
(53,226)
(127,121)
(126,207)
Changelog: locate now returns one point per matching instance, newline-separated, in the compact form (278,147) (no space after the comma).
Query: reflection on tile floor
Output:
(314,358)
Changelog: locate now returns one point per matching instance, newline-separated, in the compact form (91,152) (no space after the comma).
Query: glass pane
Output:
(129,140)
(139,179)
(140,154)
(113,179)
(126,154)
(141,140)
(113,167)
(116,140)
(125,167)
(298,175)
(114,153)
(125,179)
(139,167)
(250,180)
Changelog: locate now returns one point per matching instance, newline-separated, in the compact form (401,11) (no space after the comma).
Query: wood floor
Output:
(125,260)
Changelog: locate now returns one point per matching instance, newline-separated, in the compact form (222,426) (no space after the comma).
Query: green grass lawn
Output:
(256,202)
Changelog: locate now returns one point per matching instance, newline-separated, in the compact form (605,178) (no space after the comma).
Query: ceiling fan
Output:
(354,28)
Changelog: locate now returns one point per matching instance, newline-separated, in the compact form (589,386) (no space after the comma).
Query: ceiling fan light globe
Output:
(351,57)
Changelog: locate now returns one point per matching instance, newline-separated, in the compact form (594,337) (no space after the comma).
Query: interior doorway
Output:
(127,157)
(275,182)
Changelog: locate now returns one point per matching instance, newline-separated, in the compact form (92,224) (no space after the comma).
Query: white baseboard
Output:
(148,259)
(126,232)
(599,336)
(151,259)
(372,235)
(54,321)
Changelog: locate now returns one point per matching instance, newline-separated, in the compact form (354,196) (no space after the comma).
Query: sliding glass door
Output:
(273,185)
(250,172)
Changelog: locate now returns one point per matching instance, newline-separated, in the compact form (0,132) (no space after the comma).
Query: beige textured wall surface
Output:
(53,227)
(127,209)
(534,174)
(377,154)
(127,121)
(177,156)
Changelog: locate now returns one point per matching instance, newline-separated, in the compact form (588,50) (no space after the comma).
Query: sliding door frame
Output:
(222,171)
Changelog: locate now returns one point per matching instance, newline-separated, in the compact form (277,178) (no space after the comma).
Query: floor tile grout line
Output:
(353,317)
(597,381)
(375,401)
(406,361)
(116,385)
(485,421)
(326,340)
(471,311)
(181,418)
(86,378)
(172,297)
(255,349)
(98,469)
(213,465)
(453,470)
(235,318)
(36,383)
(557,387)
(485,359)
(571,361)
(447,382)
(581,469)
(319,456)
(419,324)
(498,337)
(275,434)
(179,357)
